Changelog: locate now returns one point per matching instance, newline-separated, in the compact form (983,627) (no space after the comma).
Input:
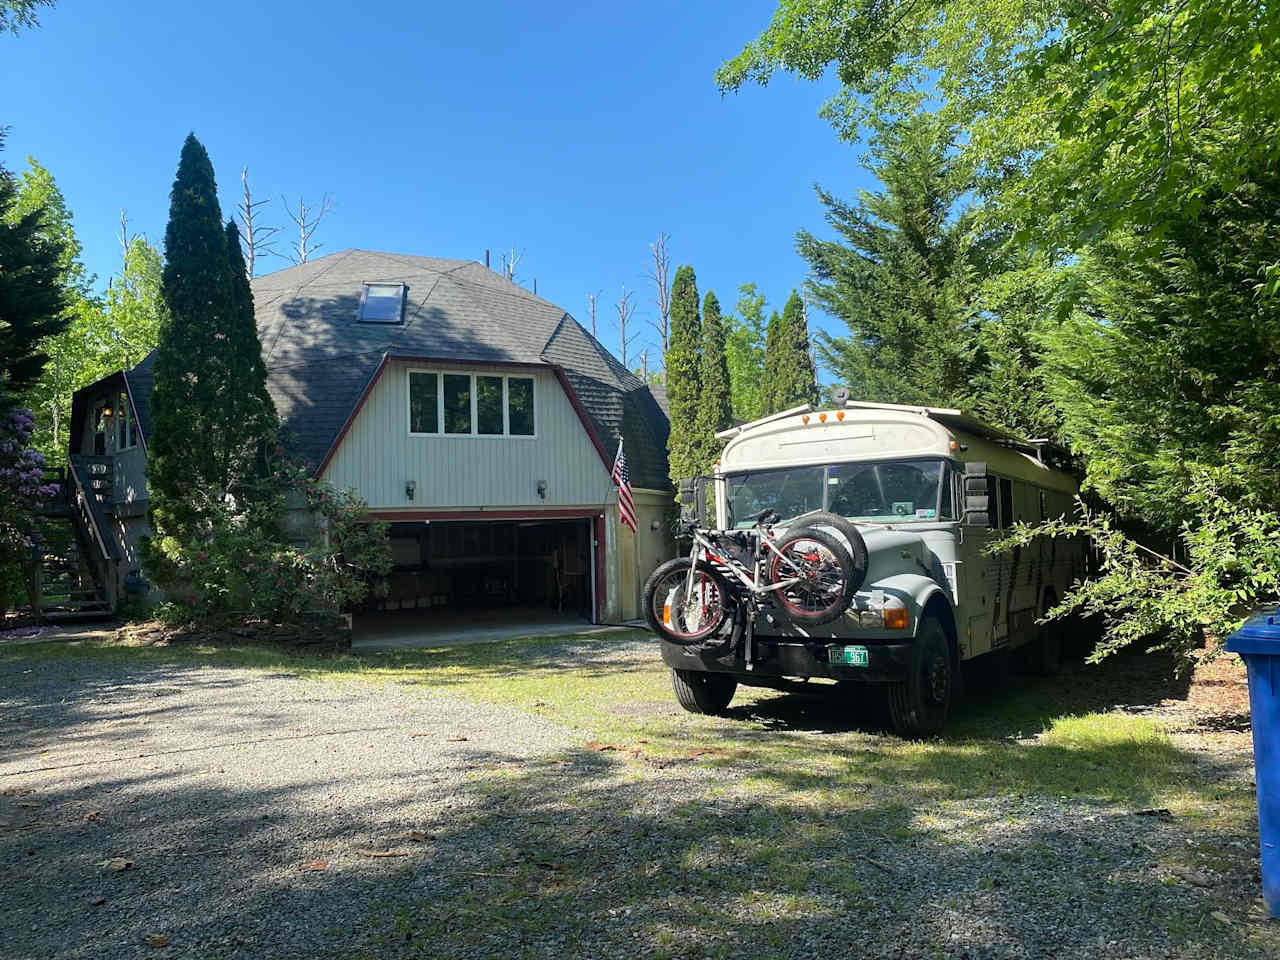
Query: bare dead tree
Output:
(256,236)
(510,260)
(306,220)
(591,302)
(625,311)
(644,365)
(124,233)
(660,275)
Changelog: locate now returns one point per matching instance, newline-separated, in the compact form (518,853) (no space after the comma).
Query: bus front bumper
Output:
(779,659)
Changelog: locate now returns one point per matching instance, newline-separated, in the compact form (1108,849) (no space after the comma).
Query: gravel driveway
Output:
(168,810)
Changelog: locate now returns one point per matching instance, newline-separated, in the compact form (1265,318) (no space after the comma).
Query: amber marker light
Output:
(822,417)
(805,418)
(840,415)
(895,618)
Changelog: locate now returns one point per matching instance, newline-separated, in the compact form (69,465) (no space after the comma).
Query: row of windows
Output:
(470,404)
(1012,501)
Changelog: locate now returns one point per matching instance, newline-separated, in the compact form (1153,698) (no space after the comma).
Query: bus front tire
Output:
(919,706)
(701,692)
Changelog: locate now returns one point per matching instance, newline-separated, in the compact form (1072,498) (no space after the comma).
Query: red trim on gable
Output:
(581,411)
(351,418)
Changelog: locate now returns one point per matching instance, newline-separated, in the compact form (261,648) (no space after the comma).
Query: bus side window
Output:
(1006,503)
(993,504)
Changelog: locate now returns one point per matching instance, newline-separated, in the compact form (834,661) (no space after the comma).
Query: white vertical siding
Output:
(378,455)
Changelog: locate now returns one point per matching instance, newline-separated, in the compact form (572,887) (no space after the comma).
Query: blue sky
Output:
(576,132)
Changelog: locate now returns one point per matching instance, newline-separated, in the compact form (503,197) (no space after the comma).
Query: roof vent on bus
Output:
(840,395)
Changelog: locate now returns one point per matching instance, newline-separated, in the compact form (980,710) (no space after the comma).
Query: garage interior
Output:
(457,577)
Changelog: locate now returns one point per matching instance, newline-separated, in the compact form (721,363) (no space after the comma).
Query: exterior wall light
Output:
(409,487)
(655,525)
(542,489)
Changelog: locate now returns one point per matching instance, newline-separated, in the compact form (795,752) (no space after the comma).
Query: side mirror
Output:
(687,485)
(977,495)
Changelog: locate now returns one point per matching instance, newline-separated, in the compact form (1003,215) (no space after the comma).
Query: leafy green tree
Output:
(1084,117)
(744,347)
(796,380)
(17,14)
(135,305)
(715,409)
(772,352)
(1169,364)
(903,273)
(209,421)
(33,299)
(684,381)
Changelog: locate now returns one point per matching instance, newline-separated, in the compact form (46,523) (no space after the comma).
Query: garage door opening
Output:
(466,578)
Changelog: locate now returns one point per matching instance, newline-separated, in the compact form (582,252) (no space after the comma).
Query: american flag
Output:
(622,477)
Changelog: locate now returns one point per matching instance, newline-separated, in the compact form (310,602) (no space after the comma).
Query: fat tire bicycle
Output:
(809,573)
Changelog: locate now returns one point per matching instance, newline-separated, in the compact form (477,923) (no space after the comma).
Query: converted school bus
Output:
(479,420)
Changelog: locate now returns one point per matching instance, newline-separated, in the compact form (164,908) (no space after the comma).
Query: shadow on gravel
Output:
(561,859)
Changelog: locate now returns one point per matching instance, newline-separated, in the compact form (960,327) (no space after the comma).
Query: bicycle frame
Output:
(715,554)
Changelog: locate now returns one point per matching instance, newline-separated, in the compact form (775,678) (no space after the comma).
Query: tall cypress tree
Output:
(683,376)
(772,348)
(201,440)
(715,407)
(795,379)
(251,407)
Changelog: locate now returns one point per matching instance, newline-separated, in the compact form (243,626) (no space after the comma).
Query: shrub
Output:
(1232,568)
(238,563)
(22,493)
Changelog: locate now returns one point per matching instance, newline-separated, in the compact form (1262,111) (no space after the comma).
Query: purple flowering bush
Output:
(22,493)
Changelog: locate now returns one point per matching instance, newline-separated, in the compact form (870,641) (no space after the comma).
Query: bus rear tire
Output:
(919,706)
(701,692)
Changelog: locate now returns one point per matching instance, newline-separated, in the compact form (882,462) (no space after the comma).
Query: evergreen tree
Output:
(769,382)
(33,300)
(903,275)
(684,386)
(210,412)
(250,405)
(795,380)
(715,410)
(744,347)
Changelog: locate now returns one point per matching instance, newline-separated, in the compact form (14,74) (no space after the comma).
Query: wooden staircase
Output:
(79,553)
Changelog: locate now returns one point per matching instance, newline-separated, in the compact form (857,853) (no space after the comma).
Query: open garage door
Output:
(467,571)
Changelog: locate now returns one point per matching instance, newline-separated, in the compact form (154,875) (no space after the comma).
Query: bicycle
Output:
(809,573)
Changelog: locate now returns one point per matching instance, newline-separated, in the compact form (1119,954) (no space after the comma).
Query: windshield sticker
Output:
(928,514)
(903,508)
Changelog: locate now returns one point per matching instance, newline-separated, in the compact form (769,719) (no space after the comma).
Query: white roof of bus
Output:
(1006,452)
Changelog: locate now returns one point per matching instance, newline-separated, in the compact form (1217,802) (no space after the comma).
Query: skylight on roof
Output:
(382,303)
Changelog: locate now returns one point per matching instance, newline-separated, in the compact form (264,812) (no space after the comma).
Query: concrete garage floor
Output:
(441,627)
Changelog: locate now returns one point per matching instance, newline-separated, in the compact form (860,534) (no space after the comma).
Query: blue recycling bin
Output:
(1258,643)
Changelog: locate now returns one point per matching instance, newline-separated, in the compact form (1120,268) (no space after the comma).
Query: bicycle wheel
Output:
(682,616)
(850,538)
(823,571)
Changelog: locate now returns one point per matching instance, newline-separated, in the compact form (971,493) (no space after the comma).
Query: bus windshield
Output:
(871,492)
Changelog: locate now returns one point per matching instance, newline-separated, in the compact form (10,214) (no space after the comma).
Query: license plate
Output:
(848,656)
